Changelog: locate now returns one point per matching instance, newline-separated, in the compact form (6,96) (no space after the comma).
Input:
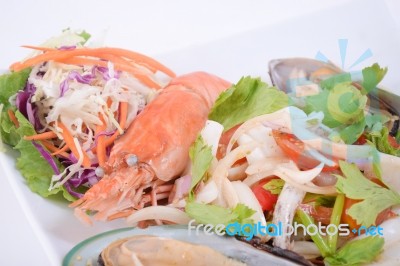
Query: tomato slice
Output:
(320,214)
(393,142)
(266,199)
(295,150)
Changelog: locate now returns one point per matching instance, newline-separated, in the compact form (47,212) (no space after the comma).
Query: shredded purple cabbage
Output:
(105,73)
(46,155)
(67,47)
(71,191)
(96,137)
(75,75)
(26,107)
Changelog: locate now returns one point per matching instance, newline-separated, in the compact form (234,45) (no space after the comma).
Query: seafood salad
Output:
(120,136)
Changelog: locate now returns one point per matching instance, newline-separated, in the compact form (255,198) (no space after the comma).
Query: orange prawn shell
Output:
(163,132)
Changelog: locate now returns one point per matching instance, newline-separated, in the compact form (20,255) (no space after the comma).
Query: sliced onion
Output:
(227,197)
(278,117)
(211,134)
(291,171)
(266,164)
(208,193)
(252,179)
(247,197)
(164,213)
(238,172)
(222,169)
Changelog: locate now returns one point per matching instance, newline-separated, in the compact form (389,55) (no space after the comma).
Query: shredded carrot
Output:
(69,140)
(54,149)
(122,122)
(60,150)
(39,48)
(41,136)
(13,118)
(94,52)
(101,147)
(143,77)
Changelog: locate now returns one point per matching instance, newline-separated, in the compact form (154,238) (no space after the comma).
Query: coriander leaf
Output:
(319,200)
(243,213)
(371,77)
(343,105)
(374,198)
(331,82)
(249,98)
(213,214)
(35,169)
(343,108)
(85,35)
(357,252)
(351,133)
(381,140)
(10,84)
(201,156)
(274,186)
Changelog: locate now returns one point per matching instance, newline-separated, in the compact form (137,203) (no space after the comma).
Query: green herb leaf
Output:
(351,133)
(374,198)
(32,165)
(249,98)
(331,82)
(372,76)
(357,252)
(342,105)
(201,156)
(274,186)
(85,35)
(213,214)
(380,140)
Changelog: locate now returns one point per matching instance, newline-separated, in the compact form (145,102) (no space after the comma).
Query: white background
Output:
(172,30)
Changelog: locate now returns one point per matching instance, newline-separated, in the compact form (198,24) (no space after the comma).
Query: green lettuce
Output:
(10,84)
(34,168)
(249,98)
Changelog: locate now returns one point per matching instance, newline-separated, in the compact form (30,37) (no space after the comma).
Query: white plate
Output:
(246,51)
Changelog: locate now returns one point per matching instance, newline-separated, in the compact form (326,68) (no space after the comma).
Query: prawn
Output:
(154,150)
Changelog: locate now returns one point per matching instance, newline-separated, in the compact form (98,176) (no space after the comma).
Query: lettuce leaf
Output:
(35,169)
(249,98)
(10,84)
